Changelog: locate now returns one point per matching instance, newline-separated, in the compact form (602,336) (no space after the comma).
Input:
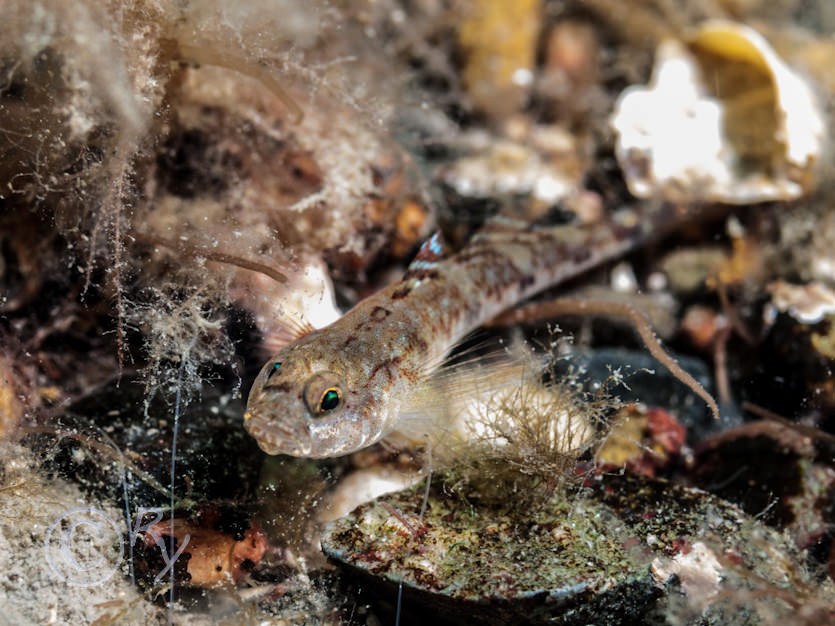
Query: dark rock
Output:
(649,382)
(216,460)
(775,472)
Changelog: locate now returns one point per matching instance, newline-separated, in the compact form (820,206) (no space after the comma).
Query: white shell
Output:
(679,140)
(808,304)
(535,165)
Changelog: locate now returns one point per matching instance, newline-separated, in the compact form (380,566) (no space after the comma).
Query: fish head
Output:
(306,405)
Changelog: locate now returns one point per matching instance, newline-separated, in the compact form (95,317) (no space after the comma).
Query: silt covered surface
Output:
(597,554)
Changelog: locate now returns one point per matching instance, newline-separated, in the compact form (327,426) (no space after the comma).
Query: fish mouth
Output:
(274,437)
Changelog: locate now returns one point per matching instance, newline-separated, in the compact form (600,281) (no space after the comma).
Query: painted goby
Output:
(343,387)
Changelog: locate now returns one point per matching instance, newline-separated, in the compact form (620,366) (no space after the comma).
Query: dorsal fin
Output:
(430,254)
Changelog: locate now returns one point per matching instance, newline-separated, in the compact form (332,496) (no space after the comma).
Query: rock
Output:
(643,440)
(649,382)
(605,553)
(499,40)
(216,460)
(779,473)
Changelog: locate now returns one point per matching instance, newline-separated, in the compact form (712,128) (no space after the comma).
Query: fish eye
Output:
(273,369)
(323,393)
(330,400)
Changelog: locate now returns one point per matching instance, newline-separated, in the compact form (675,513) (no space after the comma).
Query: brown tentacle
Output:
(639,319)
(212,255)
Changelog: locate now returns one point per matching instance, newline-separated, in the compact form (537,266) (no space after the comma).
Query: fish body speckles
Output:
(343,387)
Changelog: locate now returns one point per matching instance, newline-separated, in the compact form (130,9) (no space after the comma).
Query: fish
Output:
(338,389)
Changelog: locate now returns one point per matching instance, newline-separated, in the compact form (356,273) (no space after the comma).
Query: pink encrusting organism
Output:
(343,387)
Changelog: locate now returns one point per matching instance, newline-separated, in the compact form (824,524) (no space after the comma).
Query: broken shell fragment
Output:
(364,485)
(213,556)
(499,166)
(723,119)
(808,304)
